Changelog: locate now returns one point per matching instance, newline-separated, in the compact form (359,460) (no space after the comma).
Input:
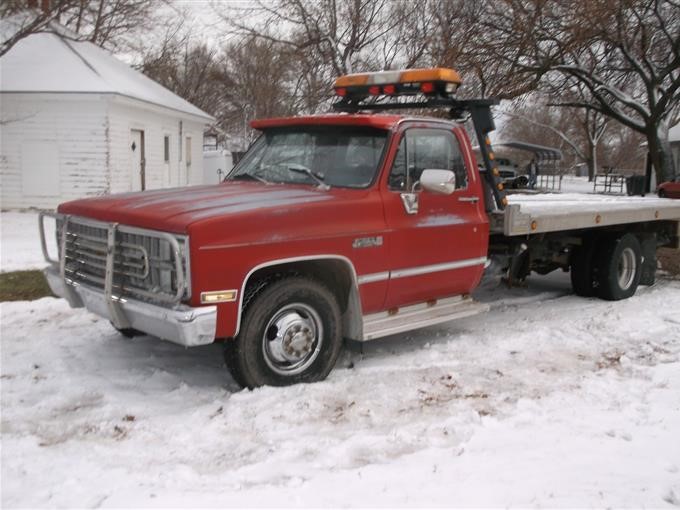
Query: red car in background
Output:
(669,189)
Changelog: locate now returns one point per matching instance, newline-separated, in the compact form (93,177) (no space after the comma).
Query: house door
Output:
(138,161)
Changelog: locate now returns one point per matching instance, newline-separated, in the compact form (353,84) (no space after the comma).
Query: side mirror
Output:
(438,181)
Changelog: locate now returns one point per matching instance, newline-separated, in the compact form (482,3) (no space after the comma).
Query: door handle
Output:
(468,199)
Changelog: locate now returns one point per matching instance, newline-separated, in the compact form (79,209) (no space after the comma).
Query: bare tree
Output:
(187,68)
(328,38)
(640,44)
(109,23)
(623,147)
(584,136)
(467,36)
(625,55)
(106,23)
(21,19)
(408,43)
(592,124)
(580,133)
(257,81)
(338,31)
(532,120)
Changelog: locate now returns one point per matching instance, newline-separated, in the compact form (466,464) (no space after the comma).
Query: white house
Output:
(75,122)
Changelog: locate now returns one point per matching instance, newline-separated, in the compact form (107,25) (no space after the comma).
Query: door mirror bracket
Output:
(410,202)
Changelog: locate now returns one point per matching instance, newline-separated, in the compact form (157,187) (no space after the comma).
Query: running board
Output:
(390,322)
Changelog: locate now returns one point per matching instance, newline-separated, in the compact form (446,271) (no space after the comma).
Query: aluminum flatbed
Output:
(552,212)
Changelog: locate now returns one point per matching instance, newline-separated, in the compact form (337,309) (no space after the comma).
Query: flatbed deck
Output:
(553,212)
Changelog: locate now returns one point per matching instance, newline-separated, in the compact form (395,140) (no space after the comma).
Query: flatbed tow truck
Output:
(353,225)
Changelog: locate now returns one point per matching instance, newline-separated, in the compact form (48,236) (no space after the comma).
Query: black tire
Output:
(581,269)
(662,193)
(230,360)
(619,267)
(264,353)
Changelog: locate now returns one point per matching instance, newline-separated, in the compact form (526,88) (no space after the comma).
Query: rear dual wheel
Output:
(610,268)
(290,333)
(619,264)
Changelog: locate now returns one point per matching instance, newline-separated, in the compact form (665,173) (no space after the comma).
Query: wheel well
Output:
(336,274)
(333,273)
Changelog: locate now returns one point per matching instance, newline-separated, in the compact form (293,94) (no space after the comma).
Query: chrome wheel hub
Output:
(292,339)
(627,268)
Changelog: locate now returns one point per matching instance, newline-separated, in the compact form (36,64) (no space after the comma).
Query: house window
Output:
(166,148)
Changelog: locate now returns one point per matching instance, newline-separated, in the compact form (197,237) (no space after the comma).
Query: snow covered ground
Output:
(573,184)
(20,241)
(549,400)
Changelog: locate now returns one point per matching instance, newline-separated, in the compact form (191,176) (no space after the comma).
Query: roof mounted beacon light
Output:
(427,88)
(438,81)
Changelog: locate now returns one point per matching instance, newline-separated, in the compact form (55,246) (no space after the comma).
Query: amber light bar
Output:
(435,81)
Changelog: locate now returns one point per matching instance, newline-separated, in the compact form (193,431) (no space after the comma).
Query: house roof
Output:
(53,62)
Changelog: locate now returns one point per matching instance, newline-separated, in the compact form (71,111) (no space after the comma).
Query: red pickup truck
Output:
(343,226)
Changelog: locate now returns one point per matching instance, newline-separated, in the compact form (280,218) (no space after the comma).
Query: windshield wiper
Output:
(250,176)
(301,169)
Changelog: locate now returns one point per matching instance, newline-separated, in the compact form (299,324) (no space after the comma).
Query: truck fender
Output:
(352,319)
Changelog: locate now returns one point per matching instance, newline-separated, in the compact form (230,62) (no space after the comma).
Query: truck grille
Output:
(144,264)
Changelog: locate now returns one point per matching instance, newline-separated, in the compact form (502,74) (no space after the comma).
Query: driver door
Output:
(438,243)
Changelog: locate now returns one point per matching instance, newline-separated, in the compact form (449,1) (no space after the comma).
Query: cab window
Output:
(341,156)
(422,149)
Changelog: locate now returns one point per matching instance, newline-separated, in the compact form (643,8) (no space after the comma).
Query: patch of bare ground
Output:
(669,260)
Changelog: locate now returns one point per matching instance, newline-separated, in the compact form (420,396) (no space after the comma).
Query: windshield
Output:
(337,156)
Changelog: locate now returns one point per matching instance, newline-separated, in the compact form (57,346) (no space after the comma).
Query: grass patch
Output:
(23,286)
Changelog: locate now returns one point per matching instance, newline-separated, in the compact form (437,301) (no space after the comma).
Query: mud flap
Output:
(648,245)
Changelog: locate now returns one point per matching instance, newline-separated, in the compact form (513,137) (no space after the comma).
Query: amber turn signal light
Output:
(218,296)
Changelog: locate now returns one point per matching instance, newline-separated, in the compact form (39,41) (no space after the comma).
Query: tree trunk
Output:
(592,161)
(661,157)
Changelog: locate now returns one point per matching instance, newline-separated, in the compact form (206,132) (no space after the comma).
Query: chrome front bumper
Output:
(182,325)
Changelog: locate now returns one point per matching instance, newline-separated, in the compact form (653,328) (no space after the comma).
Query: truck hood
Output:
(178,209)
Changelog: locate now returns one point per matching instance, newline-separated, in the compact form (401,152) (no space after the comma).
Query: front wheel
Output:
(290,333)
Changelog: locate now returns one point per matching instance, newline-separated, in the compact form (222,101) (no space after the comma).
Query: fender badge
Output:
(367,242)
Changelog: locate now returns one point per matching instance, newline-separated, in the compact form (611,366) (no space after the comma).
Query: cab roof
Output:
(337,119)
